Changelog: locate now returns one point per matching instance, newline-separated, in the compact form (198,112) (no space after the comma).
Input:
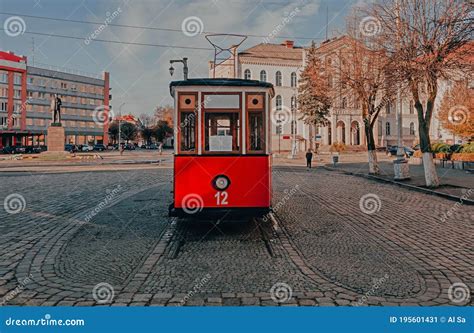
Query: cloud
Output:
(141,73)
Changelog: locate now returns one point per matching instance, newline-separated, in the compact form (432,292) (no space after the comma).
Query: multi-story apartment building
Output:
(25,101)
(281,65)
(346,124)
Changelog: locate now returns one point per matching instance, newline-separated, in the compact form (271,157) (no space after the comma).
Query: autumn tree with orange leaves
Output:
(313,93)
(455,113)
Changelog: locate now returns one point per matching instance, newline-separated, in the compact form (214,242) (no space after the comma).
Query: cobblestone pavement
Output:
(89,238)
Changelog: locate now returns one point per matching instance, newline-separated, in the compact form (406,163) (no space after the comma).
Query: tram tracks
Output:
(186,231)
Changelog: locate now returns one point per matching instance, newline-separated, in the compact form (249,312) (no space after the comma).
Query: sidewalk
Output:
(108,161)
(453,182)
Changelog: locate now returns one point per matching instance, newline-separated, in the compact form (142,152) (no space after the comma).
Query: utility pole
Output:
(33,50)
(120,128)
(400,165)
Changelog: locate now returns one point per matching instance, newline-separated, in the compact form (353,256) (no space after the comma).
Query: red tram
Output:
(222,160)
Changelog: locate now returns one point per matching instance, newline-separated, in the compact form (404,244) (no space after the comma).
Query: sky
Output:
(140,74)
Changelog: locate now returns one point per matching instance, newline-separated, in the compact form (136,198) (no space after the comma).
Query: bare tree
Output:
(361,72)
(427,40)
(146,120)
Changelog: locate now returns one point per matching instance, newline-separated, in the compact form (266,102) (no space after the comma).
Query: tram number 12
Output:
(221,198)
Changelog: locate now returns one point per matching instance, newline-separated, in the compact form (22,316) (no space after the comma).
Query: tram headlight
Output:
(221,182)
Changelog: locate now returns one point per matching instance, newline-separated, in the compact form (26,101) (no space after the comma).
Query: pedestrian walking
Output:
(160,147)
(309,157)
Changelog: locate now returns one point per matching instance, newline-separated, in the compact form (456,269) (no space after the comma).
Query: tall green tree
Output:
(114,131)
(313,93)
(147,133)
(161,130)
(129,131)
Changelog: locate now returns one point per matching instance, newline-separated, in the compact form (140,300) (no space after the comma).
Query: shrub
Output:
(440,148)
(467,148)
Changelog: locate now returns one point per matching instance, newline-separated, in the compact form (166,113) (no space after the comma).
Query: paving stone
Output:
(323,261)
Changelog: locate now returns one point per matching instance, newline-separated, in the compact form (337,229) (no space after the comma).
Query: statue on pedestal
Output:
(56,109)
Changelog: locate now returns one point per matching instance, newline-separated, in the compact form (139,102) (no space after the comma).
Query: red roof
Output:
(11,57)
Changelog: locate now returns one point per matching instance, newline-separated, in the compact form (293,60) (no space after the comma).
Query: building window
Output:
(3,77)
(278,103)
(263,76)
(17,79)
(278,107)
(412,109)
(388,107)
(63,85)
(328,62)
(412,129)
(30,80)
(294,128)
(330,83)
(3,106)
(4,122)
(356,103)
(387,128)
(344,102)
(278,79)
(293,79)
(247,74)
(293,103)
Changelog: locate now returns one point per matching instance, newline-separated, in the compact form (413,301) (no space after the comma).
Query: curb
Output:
(407,186)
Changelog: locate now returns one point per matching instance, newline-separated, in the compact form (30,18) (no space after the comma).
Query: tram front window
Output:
(222,132)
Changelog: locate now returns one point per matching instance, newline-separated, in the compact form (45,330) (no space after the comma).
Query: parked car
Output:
(70,148)
(87,148)
(153,146)
(392,150)
(33,149)
(100,147)
(129,146)
(8,150)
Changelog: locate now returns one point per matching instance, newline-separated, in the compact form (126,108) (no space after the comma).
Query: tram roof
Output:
(219,82)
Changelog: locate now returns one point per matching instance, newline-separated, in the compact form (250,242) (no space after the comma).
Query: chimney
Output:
(289,44)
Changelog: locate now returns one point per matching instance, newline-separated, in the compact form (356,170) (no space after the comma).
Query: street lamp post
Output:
(184,61)
(120,128)
(400,165)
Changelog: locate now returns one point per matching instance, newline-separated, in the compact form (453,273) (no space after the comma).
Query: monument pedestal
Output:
(401,169)
(56,139)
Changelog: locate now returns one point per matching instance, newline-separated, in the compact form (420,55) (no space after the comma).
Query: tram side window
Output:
(222,132)
(188,131)
(256,132)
